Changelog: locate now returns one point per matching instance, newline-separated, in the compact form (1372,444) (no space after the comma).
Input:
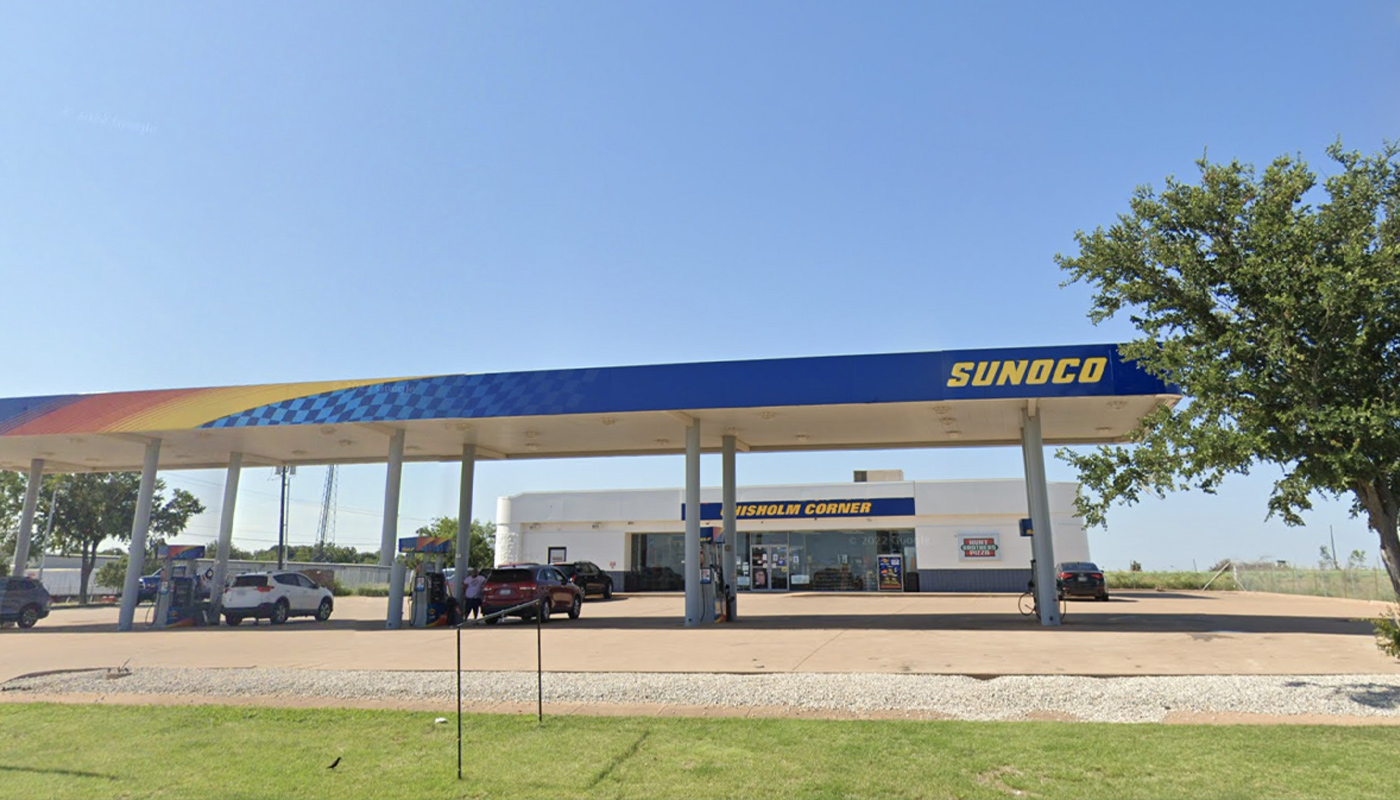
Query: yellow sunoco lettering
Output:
(986,371)
(1040,371)
(1065,363)
(1093,369)
(1012,372)
(959,373)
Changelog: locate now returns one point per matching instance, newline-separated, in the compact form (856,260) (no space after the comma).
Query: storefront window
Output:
(826,561)
(657,560)
(820,561)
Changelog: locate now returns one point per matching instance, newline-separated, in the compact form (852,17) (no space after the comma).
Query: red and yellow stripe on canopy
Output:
(168,409)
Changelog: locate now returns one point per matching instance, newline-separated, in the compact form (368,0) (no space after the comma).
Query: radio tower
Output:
(325,528)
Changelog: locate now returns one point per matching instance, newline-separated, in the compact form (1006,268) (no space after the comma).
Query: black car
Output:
(1080,579)
(23,600)
(587,576)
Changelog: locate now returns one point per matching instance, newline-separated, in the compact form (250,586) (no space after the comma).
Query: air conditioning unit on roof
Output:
(878,475)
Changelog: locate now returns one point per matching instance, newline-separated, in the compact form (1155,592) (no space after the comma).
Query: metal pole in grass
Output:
(539,655)
(459,701)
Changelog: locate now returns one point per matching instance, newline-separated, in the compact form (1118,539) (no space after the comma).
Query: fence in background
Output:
(60,574)
(1357,584)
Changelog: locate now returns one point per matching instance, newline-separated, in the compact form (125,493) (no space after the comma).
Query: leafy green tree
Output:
(235,552)
(331,554)
(113,573)
(338,554)
(481,550)
(12,487)
(11,503)
(93,508)
(1280,321)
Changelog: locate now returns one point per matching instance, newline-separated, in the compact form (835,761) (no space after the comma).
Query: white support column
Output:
(692,525)
(464,519)
(508,535)
(731,533)
(140,525)
(1038,501)
(26,515)
(216,584)
(389,535)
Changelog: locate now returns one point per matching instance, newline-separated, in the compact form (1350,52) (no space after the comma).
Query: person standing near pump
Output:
(471,592)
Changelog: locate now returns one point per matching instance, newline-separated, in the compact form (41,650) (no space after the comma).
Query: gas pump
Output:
(714,591)
(178,600)
(431,604)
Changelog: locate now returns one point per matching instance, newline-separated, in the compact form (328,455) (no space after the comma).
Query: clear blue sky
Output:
(224,193)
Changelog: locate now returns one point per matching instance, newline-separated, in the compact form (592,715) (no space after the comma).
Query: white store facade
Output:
(887,535)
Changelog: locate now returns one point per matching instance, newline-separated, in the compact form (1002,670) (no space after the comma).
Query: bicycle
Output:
(1030,607)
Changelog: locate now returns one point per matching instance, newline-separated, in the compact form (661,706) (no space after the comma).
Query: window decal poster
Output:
(891,573)
(979,547)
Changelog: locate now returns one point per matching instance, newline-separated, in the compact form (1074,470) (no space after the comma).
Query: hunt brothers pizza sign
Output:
(979,547)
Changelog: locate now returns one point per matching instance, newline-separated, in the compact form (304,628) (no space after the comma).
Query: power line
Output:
(368,512)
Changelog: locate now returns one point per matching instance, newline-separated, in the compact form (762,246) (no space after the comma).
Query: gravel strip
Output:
(1135,699)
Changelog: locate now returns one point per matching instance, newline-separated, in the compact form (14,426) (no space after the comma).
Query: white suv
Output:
(275,596)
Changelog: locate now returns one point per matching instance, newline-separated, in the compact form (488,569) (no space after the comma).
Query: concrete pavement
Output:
(1137,633)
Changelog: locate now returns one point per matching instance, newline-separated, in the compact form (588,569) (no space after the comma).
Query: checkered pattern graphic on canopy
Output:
(444,397)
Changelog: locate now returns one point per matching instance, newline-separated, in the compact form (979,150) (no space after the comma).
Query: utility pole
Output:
(325,527)
(286,472)
(48,530)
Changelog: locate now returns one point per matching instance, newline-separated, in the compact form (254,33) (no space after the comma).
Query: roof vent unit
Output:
(878,475)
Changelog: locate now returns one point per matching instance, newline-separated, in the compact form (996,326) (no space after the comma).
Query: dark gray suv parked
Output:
(23,600)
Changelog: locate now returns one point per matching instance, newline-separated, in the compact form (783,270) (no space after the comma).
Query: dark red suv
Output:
(513,584)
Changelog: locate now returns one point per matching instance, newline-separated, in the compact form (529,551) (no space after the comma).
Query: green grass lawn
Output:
(63,751)
(1170,580)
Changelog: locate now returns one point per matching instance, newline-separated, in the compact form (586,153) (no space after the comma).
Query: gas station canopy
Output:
(1085,394)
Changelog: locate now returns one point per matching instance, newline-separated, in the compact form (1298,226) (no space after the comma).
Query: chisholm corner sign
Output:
(790,509)
(979,547)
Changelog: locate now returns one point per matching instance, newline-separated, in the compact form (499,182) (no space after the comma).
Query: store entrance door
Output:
(769,568)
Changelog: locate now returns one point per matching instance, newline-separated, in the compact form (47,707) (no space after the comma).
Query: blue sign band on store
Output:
(812,509)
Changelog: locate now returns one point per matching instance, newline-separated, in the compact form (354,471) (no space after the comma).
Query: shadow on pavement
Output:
(1119,615)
